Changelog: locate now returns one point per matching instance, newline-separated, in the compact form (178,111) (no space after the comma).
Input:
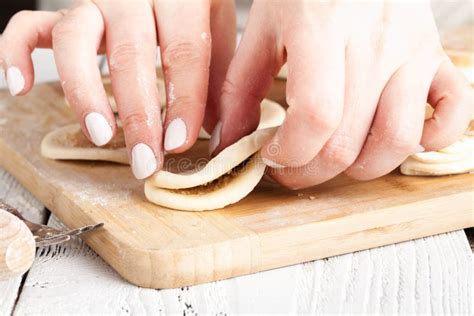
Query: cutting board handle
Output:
(17,246)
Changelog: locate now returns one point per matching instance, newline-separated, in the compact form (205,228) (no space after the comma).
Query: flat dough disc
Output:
(69,143)
(223,180)
(225,190)
(454,159)
(411,167)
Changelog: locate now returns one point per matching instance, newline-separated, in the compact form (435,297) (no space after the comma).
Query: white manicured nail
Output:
(272,164)
(143,161)
(98,128)
(419,149)
(15,80)
(175,134)
(215,137)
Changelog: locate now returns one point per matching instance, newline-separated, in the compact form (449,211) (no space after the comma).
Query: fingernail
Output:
(272,164)
(143,161)
(419,149)
(15,80)
(98,128)
(175,134)
(215,137)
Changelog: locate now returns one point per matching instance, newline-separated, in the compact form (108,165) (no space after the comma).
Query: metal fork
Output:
(45,235)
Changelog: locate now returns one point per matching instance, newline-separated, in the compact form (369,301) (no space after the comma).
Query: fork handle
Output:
(17,246)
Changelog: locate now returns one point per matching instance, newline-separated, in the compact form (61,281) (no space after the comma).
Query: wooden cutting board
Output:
(151,246)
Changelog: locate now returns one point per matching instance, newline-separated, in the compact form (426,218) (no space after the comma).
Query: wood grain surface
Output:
(155,247)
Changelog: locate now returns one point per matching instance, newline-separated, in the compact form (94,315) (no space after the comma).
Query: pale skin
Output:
(359,76)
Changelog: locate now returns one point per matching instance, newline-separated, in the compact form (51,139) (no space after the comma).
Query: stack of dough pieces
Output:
(225,179)
(454,159)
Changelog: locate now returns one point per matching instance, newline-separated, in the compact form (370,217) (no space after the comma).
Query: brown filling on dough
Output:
(78,140)
(217,183)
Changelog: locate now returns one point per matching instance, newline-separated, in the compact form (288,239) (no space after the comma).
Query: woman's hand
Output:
(359,76)
(129,32)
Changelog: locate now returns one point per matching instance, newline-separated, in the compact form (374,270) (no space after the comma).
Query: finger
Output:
(131,51)
(75,51)
(248,80)
(133,78)
(398,124)
(453,102)
(223,32)
(315,95)
(363,87)
(185,43)
(25,31)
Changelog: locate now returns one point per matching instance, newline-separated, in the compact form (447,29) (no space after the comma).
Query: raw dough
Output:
(454,159)
(283,73)
(225,179)
(223,163)
(225,190)
(69,143)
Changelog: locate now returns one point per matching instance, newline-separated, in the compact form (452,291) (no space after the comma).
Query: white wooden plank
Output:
(72,279)
(13,193)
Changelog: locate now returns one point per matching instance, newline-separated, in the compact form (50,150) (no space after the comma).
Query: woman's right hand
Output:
(129,33)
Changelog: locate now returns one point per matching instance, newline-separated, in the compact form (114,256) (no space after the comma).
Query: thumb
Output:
(247,82)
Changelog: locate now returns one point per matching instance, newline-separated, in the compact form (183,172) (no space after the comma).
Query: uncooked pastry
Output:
(227,189)
(220,165)
(225,179)
(454,159)
(283,73)
(69,143)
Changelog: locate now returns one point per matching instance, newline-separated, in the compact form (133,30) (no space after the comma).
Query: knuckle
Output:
(123,56)
(21,17)
(75,92)
(186,102)
(231,88)
(134,120)
(182,54)
(325,117)
(340,153)
(402,143)
(64,30)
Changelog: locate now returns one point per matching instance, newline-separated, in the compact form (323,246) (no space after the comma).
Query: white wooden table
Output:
(428,275)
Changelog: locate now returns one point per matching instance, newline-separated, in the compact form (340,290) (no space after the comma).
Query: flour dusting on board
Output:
(3,106)
(97,193)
